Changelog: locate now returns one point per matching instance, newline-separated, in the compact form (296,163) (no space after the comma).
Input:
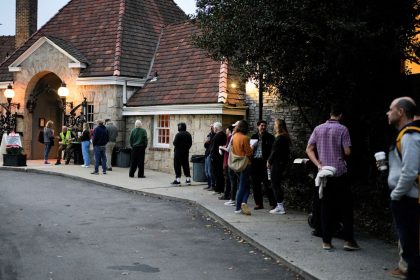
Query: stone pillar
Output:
(26,20)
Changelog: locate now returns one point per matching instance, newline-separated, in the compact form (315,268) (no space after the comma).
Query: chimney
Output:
(26,20)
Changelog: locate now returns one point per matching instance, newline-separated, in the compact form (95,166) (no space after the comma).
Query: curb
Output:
(200,208)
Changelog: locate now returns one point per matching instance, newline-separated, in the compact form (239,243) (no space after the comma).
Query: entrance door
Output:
(47,108)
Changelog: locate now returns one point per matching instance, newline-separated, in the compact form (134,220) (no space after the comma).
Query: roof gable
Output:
(78,60)
(117,37)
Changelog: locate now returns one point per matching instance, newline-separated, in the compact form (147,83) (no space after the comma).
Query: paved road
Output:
(57,228)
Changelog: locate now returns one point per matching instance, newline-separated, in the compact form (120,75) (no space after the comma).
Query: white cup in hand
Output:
(380,161)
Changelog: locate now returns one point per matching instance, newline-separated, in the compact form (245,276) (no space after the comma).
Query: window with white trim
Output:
(89,116)
(161,131)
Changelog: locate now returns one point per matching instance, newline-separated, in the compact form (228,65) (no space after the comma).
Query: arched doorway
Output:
(47,107)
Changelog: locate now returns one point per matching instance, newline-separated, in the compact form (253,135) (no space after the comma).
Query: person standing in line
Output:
(66,137)
(217,158)
(404,170)
(207,161)
(182,144)
(85,140)
(327,148)
(241,147)
(100,138)
(277,163)
(233,176)
(225,153)
(113,134)
(138,143)
(259,175)
(48,139)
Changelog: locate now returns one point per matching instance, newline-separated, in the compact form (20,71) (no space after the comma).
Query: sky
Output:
(48,8)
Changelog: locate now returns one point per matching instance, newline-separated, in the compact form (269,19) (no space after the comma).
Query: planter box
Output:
(14,160)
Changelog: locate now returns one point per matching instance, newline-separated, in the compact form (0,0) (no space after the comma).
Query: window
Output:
(89,116)
(161,131)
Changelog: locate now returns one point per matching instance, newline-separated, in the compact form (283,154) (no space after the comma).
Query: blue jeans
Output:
(208,171)
(47,149)
(85,152)
(100,156)
(406,214)
(243,191)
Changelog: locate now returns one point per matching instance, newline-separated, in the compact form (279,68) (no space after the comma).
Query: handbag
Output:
(237,163)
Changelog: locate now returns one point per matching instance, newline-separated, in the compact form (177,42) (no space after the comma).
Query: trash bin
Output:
(123,157)
(198,168)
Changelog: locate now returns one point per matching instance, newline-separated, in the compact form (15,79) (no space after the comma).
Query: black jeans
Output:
(277,179)
(181,160)
(337,204)
(217,167)
(234,182)
(406,213)
(137,161)
(259,175)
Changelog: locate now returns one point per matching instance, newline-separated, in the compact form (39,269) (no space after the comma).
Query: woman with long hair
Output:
(277,163)
(241,147)
(85,140)
(48,139)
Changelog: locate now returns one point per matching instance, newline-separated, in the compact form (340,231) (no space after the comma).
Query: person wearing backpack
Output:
(404,170)
(48,139)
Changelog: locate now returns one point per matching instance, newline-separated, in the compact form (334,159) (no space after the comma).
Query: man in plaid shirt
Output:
(328,145)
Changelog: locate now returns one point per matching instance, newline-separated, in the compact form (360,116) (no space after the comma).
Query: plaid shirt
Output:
(329,139)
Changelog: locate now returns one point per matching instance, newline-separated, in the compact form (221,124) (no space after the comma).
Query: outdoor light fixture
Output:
(8,120)
(63,91)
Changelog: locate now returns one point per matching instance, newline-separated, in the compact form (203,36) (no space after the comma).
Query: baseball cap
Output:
(235,124)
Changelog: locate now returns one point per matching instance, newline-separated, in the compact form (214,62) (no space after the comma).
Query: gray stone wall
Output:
(162,158)
(274,108)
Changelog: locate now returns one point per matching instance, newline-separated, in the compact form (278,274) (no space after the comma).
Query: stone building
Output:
(129,59)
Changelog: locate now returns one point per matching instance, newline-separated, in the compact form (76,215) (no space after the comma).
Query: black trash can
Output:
(123,157)
(198,168)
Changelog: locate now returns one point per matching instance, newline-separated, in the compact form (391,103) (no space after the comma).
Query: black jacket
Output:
(182,142)
(280,152)
(208,143)
(218,140)
(100,136)
(267,143)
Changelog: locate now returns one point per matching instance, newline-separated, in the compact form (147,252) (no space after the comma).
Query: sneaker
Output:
(109,169)
(57,163)
(175,182)
(95,173)
(278,210)
(223,197)
(245,209)
(397,273)
(104,173)
(188,182)
(327,246)
(237,211)
(351,246)
(83,165)
(230,203)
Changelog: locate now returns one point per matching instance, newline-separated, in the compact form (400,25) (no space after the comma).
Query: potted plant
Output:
(14,156)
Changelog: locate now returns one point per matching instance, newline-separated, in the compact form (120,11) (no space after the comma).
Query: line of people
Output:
(265,159)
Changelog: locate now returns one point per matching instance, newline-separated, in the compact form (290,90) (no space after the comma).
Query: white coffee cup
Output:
(380,160)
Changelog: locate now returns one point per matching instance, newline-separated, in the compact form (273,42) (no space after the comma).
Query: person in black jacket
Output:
(259,165)
(207,163)
(100,138)
(217,157)
(277,163)
(182,144)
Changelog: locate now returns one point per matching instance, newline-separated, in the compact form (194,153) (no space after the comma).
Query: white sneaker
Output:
(230,203)
(278,210)
(83,165)
(237,211)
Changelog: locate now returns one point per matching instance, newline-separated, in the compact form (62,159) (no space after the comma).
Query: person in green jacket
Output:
(138,143)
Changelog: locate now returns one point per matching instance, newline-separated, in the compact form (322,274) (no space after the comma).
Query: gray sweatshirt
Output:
(403,173)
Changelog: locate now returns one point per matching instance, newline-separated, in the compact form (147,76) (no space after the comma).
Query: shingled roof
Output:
(7,46)
(117,37)
(186,74)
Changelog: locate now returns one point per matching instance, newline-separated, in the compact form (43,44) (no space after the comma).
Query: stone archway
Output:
(46,106)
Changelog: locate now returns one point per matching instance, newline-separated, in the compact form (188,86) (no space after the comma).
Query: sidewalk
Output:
(284,237)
